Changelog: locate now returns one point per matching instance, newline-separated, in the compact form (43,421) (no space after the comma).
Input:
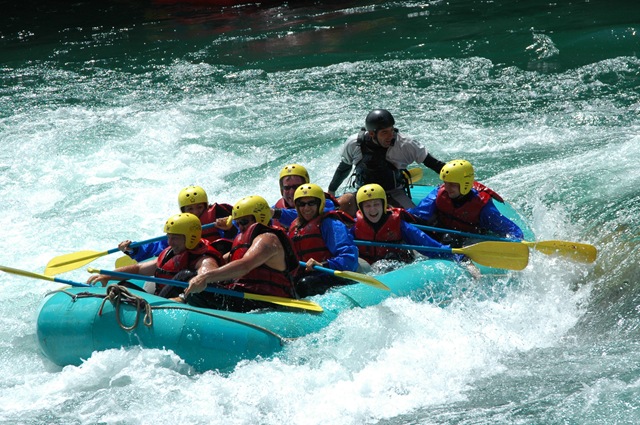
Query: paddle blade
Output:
(73,261)
(292,303)
(500,255)
(416,175)
(369,280)
(125,260)
(581,252)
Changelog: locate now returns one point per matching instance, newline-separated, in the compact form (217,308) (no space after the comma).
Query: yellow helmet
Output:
(295,170)
(369,192)
(458,171)
(255,206)
(185,224)
(192,195)
(310,189)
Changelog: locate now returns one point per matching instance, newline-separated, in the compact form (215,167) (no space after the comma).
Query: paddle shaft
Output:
(403,246)
(465,234)
(288,302)
(319,268)
(40,276)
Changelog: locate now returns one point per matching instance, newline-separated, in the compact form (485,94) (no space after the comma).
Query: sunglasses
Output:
(243,222)
(294,187)
(310,204)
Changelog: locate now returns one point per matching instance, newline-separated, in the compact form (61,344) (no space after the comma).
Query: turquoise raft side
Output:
(70,327)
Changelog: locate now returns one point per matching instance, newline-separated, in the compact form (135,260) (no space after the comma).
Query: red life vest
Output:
(264,280)
(389,231)
(168,264)
(281,204)
(307,239)
(466,217)
(214,212)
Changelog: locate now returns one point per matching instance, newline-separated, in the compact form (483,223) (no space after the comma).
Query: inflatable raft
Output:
(75,322)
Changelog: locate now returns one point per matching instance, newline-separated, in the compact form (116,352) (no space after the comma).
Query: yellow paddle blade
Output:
(415,175)
(68,262)
(500,255)
(26,273)
(581,252)
(287,302)
(369,280)
(125,260)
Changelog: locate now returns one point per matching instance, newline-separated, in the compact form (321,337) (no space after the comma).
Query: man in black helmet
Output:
(379,154)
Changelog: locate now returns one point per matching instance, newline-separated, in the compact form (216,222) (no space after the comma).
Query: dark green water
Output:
(109,108)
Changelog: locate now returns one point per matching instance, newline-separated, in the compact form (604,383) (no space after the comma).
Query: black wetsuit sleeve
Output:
(342,172)
(435,164)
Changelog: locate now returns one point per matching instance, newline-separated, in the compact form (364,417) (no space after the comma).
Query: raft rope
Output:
(119,294)
(116,297)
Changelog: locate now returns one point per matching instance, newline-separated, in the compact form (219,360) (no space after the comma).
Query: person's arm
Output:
(493,220)
(264,247)
(426,209)
(340,242)
(414,236)
(143,252)
(341,173)
(433,163)
(206,264)
(146,268)
(287,215)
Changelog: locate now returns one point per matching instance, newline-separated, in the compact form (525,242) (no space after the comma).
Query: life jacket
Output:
(223,245)
(281,204)
(465,217)
(169,264)
(374,167)
(307,239)
(482,188)
(214,212)
(389,231)
(263,279)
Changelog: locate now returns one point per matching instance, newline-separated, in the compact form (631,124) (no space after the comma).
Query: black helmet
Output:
(379,119)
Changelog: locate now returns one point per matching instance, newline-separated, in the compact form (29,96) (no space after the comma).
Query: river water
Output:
(109,108)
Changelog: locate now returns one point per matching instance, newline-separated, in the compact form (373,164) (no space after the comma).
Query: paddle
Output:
(40,276)
(287,302)
(75,260)
(369,280)
(580,252)
(500,255)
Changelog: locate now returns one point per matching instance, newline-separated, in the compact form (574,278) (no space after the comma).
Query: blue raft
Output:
(75,322)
